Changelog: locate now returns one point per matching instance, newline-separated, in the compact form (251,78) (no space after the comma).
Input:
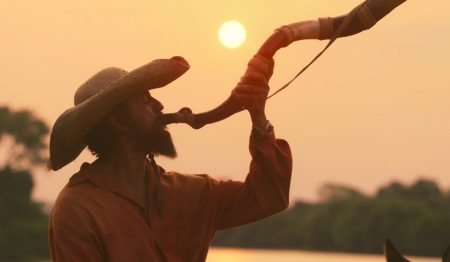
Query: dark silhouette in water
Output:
(446,256)
(393,255)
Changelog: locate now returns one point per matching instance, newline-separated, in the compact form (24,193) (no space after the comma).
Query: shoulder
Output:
(72,199)
(190,185)
(193,180)
(198,183)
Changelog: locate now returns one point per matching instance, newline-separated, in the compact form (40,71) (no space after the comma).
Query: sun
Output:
(232,34)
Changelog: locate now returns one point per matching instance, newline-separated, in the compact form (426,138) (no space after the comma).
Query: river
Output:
(260,255)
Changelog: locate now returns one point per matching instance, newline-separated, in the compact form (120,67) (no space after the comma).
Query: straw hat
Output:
(98,96)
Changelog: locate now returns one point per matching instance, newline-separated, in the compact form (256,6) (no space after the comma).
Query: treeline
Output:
(23,223)
(416,218)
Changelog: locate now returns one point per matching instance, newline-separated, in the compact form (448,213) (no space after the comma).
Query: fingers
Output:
(248,100)
(251,96)
(252,83)
(250,89)
(255,78)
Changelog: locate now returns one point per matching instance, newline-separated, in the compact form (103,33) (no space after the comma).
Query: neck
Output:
(126,165)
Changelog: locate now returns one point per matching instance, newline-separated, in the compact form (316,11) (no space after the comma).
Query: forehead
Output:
(133,101)
(138,97)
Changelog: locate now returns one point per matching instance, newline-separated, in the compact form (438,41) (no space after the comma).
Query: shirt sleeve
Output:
(266,187)
(71,236)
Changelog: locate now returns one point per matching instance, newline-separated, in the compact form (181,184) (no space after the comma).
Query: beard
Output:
(157,141)
(162,144)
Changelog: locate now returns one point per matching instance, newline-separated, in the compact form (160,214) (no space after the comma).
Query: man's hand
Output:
(251,92)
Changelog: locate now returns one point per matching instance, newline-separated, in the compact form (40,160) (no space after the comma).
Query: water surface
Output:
(261,255)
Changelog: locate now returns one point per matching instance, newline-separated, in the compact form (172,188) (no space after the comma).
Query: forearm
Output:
(270,170)
(266,187)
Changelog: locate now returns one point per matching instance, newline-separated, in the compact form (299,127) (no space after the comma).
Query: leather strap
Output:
(347,20)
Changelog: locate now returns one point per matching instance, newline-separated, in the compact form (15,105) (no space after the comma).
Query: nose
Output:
(157,106)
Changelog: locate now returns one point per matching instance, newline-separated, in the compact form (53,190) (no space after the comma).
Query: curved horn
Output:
(363,17)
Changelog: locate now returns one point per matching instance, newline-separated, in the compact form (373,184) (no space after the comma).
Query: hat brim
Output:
(67,139)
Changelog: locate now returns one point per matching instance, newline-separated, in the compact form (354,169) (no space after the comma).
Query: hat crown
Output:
(97,83)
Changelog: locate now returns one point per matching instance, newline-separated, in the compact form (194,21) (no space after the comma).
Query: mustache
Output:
(160,123)
(159,120)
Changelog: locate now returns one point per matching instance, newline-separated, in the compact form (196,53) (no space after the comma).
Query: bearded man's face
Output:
(143,116)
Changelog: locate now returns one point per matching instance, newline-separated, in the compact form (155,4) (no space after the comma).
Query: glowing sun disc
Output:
(232,34)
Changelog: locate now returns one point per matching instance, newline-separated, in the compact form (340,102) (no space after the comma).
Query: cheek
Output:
(148,119)
(140,120)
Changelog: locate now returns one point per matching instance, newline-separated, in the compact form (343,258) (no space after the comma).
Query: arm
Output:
(266,188)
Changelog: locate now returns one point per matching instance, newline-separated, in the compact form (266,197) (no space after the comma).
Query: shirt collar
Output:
(89,172)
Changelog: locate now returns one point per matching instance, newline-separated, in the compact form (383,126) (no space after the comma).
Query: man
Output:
(123,206)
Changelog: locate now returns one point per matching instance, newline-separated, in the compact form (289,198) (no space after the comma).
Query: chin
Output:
(163,145)
(167,153)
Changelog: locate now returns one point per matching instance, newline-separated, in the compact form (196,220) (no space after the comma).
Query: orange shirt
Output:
(96,219)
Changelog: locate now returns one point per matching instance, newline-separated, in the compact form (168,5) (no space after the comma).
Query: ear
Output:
(118,123)
(391,254)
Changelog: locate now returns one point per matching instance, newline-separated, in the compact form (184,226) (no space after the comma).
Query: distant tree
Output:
(23,234)
(395,189)
(22,139)
(424,188)
(330,192)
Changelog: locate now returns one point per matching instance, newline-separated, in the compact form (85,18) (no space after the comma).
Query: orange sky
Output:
(374,108)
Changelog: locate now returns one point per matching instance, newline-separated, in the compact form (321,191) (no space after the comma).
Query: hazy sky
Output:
(374,108)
